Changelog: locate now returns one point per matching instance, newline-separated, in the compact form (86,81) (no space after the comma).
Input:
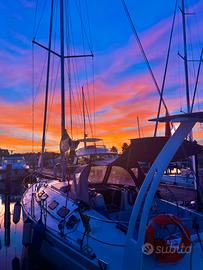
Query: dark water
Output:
(15,249)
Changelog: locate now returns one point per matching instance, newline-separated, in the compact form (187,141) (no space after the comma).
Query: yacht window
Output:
(83,160)
(120,176)
(53,205)
(19,161)
(5,161)
(97,174)
(63,211)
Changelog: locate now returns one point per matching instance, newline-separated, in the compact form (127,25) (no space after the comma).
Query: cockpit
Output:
(110,190)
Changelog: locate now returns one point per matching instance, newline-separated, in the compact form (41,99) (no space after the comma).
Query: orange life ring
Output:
(162,249)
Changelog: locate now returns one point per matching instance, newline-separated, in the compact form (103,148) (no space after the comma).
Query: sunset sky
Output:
(117,84)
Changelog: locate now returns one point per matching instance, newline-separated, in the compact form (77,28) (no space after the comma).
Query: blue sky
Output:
(122,85)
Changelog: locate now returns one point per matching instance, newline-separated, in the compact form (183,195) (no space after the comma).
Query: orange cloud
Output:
(118,101)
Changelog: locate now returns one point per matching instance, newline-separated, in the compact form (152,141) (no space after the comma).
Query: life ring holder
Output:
(159,222)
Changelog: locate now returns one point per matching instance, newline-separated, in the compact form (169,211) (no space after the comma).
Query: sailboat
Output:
(92,152)
(95,153)
(183,171)
(19,168)
(105,218)
(95,225)
(187,176)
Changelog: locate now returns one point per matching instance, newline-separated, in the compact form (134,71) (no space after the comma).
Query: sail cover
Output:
(65,142)
(147,149)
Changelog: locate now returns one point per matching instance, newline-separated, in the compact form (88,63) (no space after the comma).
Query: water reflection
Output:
(15,249)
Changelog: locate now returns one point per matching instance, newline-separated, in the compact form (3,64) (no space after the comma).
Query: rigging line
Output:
(179,73)
(78,8)
(75,66)
(77,117)
(94,99)
(33,99)
(75,111)
(40,81)
(77,87)
(198,107)
(89,118)
(54,68)
(62,58)
(78,93)
(197,80)
(77,107)
(192,53)
(35,18)
(77,80)
(53,94)
(196,23)
(88,22)
(67,66)
(200,48)
(85,61)
(185,57)
(166,68)
(42,14)
(47,81)
(54,47)
(67,16)
(84,118)
(93,71)
(143,52)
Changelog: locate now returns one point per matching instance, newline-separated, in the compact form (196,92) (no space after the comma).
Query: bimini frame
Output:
(133,252)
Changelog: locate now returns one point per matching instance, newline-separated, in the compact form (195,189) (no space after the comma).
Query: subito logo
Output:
(147,249)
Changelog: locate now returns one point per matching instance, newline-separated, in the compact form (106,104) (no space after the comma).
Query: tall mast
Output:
(185,57)
(84,122)
(194,159)
(62,69)
(47,84)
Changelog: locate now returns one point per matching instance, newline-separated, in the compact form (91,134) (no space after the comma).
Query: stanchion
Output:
(7,214)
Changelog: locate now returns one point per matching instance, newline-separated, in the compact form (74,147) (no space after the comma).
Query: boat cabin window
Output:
(63,211)
(13,161)
(97,174)
(120,176)
(53,205)
(83,160)
(19,161)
